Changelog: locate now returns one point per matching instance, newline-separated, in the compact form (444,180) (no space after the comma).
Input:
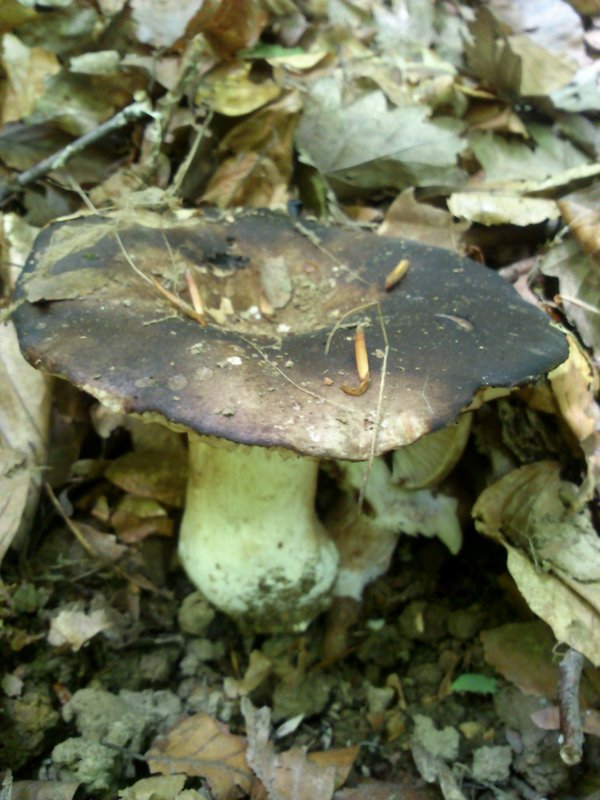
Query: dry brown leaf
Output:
(259,668)
(376,790)
(407,218)
(523,653)
(105,545)
(44,790)
(549,720)
(247,180)
(15,481)
(24,417)
(341,759)
(270,132)
(202,746)
(579,287)
(574,385)
(580,212)
(230,89)
(294,774)
(230,25)
(26,71)
(146,473)
(553,550)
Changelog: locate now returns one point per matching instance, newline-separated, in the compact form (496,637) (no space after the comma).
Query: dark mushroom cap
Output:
(452,326)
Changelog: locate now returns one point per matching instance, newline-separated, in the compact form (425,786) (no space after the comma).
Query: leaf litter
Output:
(408,116)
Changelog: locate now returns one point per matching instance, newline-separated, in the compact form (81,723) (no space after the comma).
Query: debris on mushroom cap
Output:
(450,328)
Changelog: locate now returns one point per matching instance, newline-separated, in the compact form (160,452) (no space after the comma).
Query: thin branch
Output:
(89,548)
(571,750)
(59,159)
(187,162)
(377,423)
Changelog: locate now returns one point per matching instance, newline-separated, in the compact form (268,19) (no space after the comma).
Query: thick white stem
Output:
(250,539)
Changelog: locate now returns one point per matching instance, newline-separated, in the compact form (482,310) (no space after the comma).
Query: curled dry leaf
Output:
(24,417)
(579,283)
(553,550)
(202,746)
(580,212)
(574,385)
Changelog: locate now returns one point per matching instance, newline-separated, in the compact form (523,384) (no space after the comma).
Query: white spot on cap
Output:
(177,382)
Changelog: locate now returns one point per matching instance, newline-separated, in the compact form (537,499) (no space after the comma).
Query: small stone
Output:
(464,623)
(442,744)
(195,614)
(378,699)
(492,764)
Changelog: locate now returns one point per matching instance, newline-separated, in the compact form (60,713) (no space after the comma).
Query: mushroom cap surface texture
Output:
(451,327)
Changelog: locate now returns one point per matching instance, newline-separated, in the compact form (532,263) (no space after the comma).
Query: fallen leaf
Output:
(157,787)
(406,789)
(162,24)
(291,775)
(545,161)
(574,386)
(367,144)
(75,628)
(247,179)
(24,418)
(146,472)
(580,212)
(341,759)
(230,89)
(409,219)
(202,746)
(579,285)
(549,720)
(26,69)
(44,790)
(501,208)
(523,653)
(553,550)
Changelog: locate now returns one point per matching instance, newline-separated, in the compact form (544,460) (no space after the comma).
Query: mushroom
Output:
(258,391)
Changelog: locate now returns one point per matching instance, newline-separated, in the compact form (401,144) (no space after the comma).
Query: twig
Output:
(187,162)
(314,239)
(59,159)
(571,750)
(6,790)
(278,369)
(377,423)
(89,549)
(93,553)
(77,188)
(339,322)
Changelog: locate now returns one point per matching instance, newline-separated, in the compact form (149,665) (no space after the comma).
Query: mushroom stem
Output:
(250,538)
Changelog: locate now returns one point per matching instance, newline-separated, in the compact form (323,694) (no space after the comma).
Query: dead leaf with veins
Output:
(201,746)
(553,550)
(575,384)
(293,774)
